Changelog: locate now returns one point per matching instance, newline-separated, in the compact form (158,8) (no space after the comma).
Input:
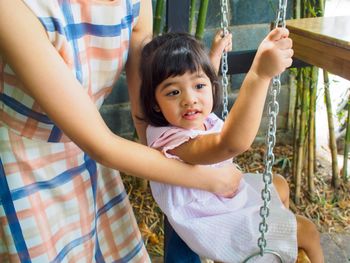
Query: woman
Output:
(61,196)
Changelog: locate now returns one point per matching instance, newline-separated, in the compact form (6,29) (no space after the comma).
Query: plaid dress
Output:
(56,203)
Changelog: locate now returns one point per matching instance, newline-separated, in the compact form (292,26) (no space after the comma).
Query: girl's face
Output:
(187,100)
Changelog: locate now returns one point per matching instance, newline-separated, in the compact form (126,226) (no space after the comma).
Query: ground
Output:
(329,214)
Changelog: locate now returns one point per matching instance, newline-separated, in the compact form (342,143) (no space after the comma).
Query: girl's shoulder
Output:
(156,135)
(213,123)
(165,134)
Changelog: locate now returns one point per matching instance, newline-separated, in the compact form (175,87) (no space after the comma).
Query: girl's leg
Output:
(175,249)
(309,239)
(282,188)
(307,233)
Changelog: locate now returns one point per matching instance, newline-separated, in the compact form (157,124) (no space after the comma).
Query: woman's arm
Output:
(26,48)
(141,34)
(240,128)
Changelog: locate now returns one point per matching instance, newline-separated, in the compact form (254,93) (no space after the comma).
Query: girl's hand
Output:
(228,179)
(218,46)
(274,54)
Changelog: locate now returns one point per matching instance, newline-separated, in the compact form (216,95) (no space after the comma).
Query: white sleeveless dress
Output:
(222,229)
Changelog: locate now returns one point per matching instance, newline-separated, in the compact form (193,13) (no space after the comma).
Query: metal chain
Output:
(224,64)
(273,108)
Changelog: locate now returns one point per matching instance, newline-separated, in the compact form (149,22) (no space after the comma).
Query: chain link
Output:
(224,64)
(273,108)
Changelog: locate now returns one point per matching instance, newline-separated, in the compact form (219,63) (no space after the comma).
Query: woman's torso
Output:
(57,204)
(92,37)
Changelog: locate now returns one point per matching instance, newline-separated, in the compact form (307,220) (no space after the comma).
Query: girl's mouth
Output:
(191,114)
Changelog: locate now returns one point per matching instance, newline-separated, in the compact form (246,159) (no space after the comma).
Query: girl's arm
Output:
(240,128)
(24,45)
(141,34)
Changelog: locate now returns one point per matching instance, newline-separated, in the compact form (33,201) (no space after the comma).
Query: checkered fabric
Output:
(56,203)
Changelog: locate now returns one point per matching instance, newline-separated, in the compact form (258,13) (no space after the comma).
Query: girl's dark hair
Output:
(170,55)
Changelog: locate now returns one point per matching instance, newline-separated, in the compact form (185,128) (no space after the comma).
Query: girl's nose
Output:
(189,99)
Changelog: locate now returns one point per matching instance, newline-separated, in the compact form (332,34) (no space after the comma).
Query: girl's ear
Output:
(156,108)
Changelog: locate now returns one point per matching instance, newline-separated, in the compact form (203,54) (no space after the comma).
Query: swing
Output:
(273,108)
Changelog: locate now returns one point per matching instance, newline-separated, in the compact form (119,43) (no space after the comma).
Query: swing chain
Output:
(224,64)
(273,109)
(281,14)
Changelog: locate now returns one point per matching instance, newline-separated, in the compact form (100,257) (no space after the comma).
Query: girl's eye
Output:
(200,86)
(173,93)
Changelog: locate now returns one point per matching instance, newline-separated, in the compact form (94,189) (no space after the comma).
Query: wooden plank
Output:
(241,61)
(323,42)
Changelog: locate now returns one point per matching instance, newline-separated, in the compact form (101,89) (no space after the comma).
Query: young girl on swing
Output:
(179,91)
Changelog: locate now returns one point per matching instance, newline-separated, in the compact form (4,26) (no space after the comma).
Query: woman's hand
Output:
(274,54)
(228,179)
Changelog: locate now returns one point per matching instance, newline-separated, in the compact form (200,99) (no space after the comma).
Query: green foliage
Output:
(309,8)
(284,162)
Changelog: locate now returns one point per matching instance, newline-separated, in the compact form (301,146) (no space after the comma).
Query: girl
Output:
(61,196)
(179,90)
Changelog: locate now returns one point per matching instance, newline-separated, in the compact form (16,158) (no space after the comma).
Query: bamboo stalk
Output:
(292,98)
(157,19)
(192,13)
(320,5)
(332,140)
(311,152)
(202,17)
(297,9)
(315,143)
(307,83)
(296,130)
(301,139)
(346,146)
(303,9)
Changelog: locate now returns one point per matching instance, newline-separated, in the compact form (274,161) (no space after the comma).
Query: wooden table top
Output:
(323,42)
(331,30)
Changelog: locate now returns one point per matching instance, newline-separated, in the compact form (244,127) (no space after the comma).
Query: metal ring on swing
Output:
(266,251)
